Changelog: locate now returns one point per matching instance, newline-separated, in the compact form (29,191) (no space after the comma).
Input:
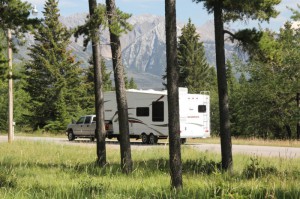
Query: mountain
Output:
(143,48)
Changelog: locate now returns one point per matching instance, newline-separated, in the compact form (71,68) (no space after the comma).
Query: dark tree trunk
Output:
(100,126)
(288,131)
(126,161)
(173,99)
(226,148)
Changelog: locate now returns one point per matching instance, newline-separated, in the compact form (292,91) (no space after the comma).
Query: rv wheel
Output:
(152,139)
(183,140)
(145,138)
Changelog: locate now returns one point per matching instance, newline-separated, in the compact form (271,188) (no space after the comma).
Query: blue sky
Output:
(185,9)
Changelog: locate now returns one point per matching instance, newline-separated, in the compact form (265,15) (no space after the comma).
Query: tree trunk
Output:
(226,148)
(288,131)
(100,126)
(173,99)
(126,161)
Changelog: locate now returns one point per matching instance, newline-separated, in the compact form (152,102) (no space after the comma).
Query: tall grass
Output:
(48,170)
(250,141)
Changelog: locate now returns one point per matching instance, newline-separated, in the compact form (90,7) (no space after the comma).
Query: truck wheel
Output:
(71,136)
(152,139)
(145,138)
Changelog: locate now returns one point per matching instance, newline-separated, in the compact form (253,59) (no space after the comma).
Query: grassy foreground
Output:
(49,170)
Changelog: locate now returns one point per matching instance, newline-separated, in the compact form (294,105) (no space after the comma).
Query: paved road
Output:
(283,152)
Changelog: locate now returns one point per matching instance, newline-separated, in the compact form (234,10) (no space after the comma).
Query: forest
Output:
(263,82)
(254,95)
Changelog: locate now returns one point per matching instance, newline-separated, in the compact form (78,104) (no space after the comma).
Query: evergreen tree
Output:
(268,96)
(3,56)
(193,67)
(88,99)
(225,11)
(14,15)
(52,74)
(130,84)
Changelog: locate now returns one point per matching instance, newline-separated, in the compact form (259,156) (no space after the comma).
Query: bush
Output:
(255,170)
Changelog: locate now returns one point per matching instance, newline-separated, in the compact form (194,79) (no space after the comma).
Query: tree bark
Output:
(226,148)
(173,99)
(126,161)
(98,86)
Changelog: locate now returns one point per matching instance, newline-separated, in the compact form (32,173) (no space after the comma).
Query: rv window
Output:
(142,111)
(157,111)
(201,108)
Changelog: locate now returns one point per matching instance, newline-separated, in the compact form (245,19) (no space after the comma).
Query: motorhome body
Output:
(148,114)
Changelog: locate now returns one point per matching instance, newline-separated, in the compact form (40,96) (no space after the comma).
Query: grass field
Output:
(49,170)
(251,141)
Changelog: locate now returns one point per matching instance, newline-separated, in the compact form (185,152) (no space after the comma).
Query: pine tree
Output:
(3,57)
(88,99)
(225,11)
(52,74)
(193,67)
(14,15)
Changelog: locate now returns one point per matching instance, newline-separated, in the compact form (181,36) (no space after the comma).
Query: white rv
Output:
(148,115)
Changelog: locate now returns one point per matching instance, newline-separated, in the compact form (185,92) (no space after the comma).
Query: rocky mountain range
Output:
(143,48)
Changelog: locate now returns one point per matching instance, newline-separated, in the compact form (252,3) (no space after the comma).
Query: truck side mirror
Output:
(73,121)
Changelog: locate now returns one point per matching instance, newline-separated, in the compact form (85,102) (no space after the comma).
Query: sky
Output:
(185,9)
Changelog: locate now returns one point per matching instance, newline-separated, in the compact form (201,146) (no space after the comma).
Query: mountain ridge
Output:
(143,48)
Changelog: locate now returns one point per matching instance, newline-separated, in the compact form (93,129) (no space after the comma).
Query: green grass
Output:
(250,141)
(49,170)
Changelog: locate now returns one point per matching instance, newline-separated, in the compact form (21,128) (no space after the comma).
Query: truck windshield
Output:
(81,120)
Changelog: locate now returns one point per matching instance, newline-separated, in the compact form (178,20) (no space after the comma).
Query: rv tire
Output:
(153,139)
(183,140)
(145,138)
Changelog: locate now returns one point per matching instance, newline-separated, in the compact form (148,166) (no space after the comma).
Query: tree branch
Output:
(232,36)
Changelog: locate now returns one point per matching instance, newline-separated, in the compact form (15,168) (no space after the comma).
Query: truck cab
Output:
(83,128)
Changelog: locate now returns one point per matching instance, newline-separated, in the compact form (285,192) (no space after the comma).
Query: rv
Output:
(148,115)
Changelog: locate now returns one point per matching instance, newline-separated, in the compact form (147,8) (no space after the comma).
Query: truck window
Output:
(142,111)
(88,120)
(157,111)
(202,108)
(81,120)
(94,119)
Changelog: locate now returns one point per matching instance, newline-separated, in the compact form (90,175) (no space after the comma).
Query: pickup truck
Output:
(83,128)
